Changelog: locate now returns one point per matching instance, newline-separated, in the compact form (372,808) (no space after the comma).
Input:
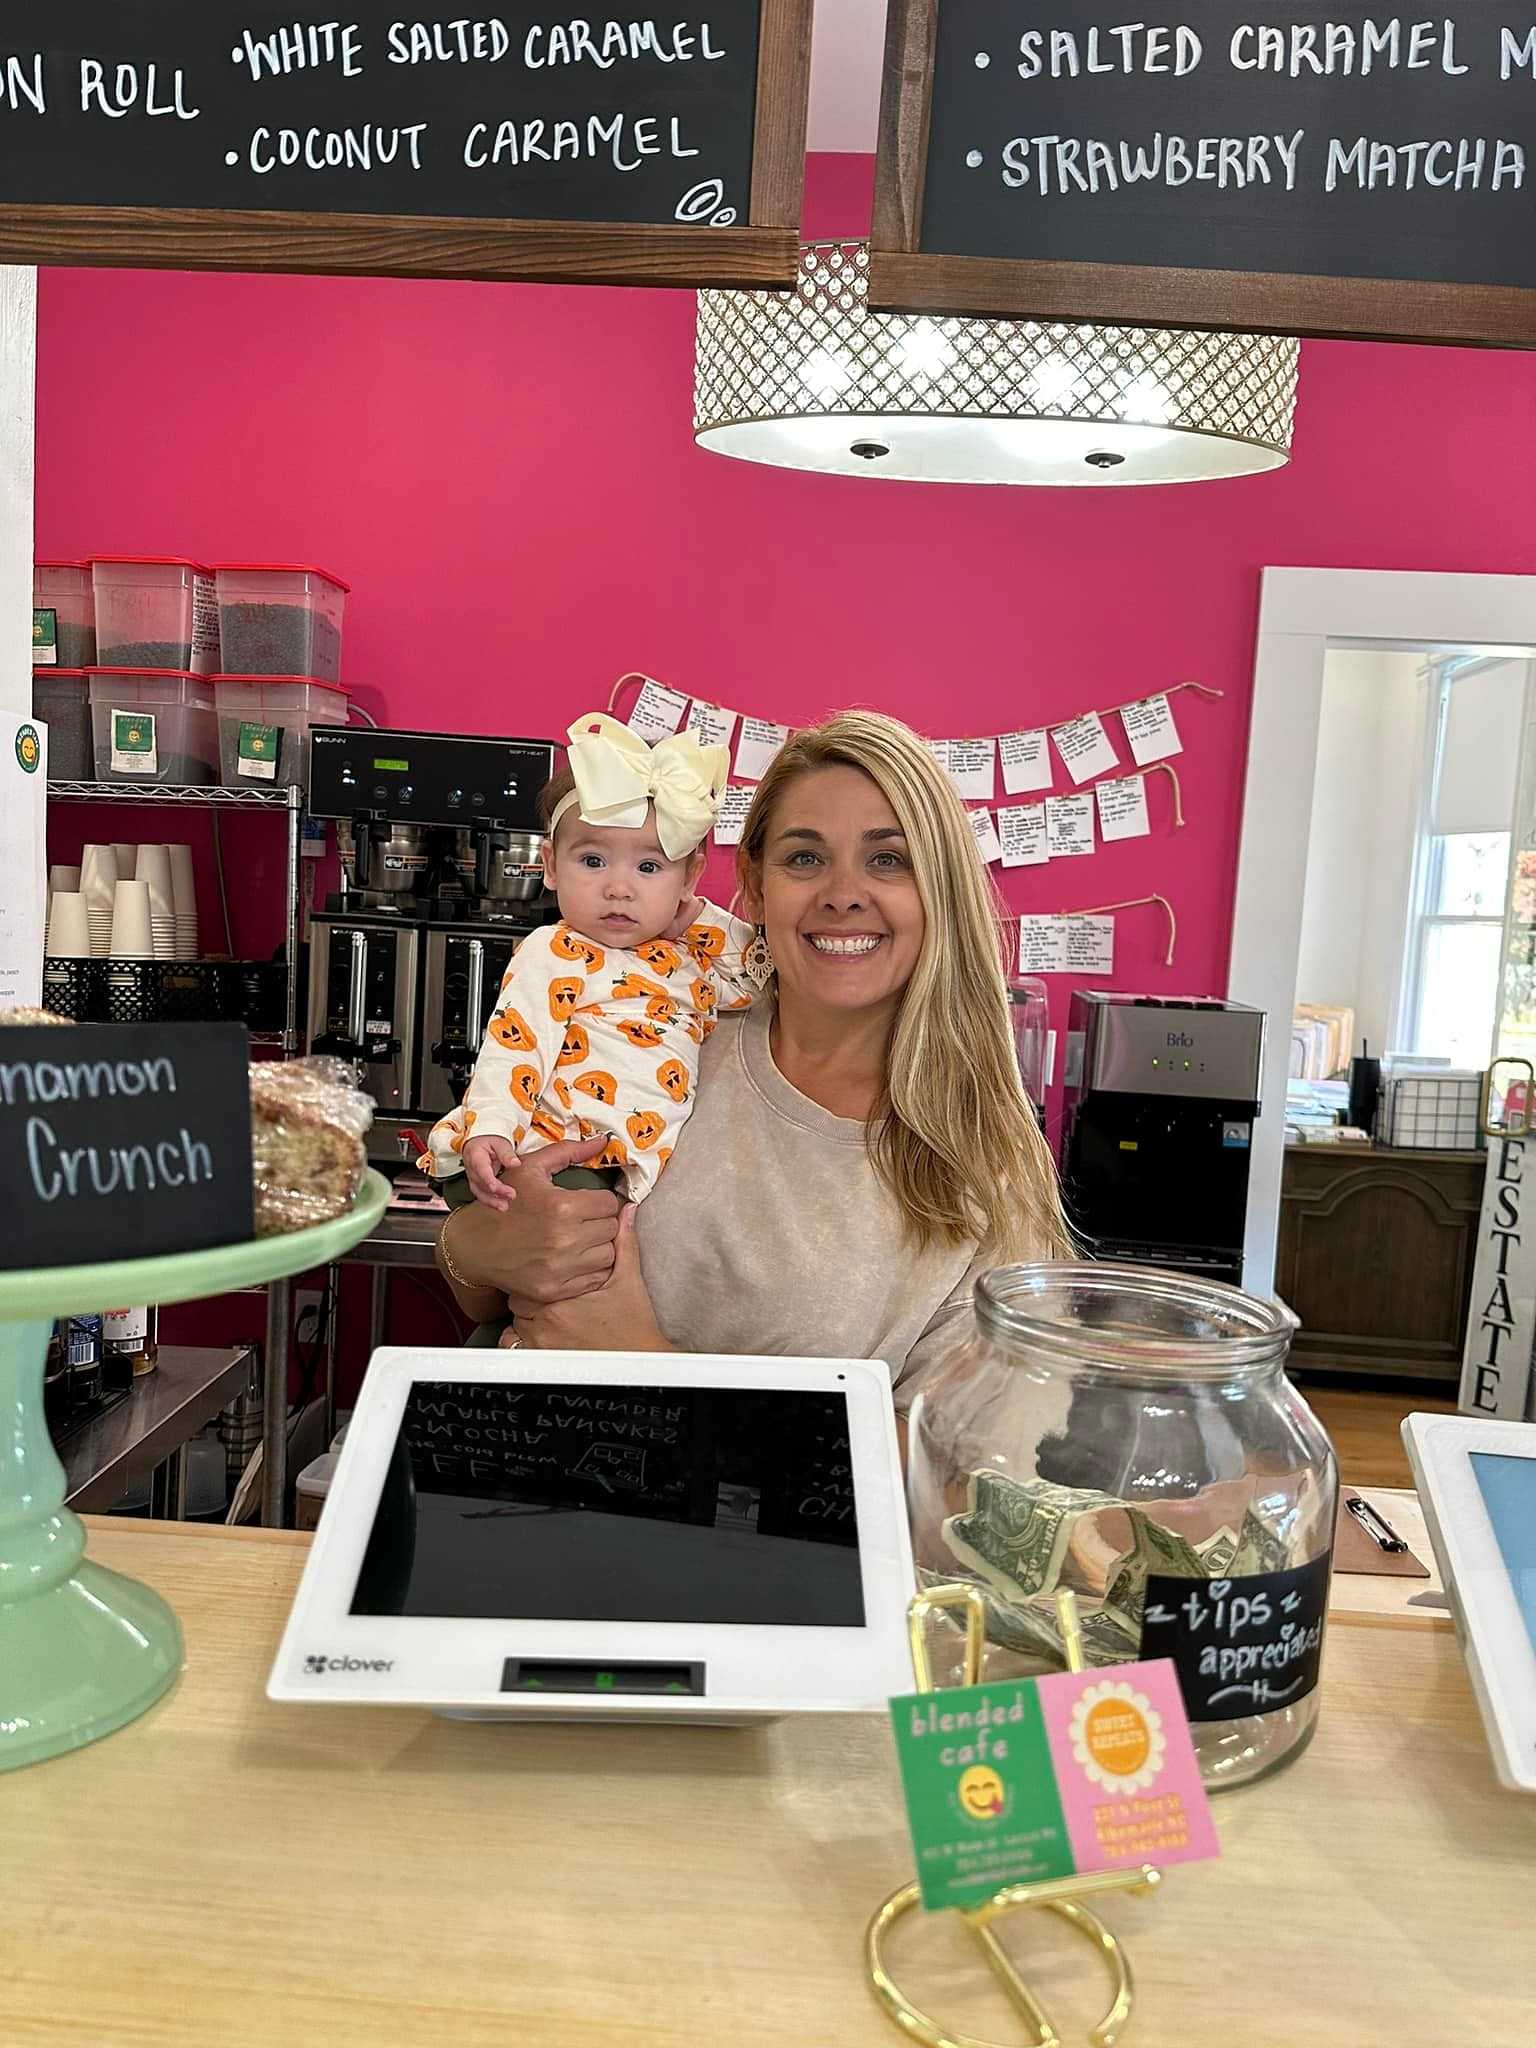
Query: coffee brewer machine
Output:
(440,877)
(1157,1126)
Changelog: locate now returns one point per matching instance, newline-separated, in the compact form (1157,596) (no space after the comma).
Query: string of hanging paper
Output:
(1105,803)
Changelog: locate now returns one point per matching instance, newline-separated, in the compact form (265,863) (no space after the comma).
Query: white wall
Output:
(18,356)
(1365,808)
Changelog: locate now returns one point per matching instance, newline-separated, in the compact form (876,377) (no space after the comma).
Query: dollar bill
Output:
(1217,1552)
(1153,1549)
(1260,1548)
(1015,1533)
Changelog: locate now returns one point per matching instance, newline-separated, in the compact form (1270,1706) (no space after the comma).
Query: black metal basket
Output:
(193,991)
(262,998)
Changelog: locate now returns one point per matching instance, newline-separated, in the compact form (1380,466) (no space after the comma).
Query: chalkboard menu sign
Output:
(121,1141)
(194,135)
(1264,166)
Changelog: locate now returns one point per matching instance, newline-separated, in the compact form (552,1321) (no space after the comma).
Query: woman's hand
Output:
(689,911)
(551,1245)
(617,1316)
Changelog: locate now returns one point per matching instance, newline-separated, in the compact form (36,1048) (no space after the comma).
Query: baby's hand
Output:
(486,1160)
(688,912)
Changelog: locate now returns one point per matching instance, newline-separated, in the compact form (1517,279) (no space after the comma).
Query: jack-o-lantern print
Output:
(600,1086)
(645,1126)
(565,992)
(640,1033)
(547,1126)
(659,956)
(568,945)
(524,1086)
(576,1047)
(673,1076)
(626,986)
(511,1031)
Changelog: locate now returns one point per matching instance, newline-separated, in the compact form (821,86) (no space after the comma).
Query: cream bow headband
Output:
(618,776)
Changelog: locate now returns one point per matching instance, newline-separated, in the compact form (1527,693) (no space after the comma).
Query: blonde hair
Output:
(955,1138)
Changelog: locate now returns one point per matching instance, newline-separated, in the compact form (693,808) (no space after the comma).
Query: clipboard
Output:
(1354,1550)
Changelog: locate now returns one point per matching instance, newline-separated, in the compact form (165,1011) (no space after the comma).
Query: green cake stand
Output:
(84,1650)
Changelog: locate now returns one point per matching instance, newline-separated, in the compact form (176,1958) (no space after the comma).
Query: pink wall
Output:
(507,477)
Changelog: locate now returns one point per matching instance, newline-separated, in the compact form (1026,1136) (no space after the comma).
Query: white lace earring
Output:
(758,961)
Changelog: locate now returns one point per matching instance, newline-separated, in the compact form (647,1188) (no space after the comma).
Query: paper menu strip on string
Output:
(1122,805)
(1090,945)
(658,711)
(1150,729)
(711,724)
(1067,945)
(732,816)
(1021,828)
(984,833)
(760,740)
(1026,762)
(1068,826)
(972,767)
(1042,946)
(1085,747)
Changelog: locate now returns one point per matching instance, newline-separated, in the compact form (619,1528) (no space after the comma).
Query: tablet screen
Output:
(1508,1487)
(617,1503)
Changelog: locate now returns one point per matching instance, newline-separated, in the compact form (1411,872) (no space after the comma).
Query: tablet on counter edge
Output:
(1477,1487)
(611,1536)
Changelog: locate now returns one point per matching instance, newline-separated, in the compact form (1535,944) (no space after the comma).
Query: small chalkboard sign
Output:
(122,1141)
(192,134)
(808,1487)
(1341,171)
(1247,1645)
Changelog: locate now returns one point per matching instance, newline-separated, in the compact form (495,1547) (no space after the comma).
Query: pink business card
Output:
(1125,1767)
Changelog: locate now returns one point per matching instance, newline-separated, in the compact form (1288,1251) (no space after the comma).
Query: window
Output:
(1451,969)
(1460,932)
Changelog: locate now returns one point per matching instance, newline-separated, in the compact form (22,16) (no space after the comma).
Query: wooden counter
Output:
(228,1873)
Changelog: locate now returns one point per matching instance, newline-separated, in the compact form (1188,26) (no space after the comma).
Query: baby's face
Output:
(615,884)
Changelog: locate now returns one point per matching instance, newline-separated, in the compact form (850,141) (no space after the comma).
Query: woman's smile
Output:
(844,945)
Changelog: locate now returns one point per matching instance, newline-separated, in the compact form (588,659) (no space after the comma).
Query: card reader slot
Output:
(567,1675)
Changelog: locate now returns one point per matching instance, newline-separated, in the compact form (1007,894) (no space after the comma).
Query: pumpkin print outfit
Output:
(590,1040)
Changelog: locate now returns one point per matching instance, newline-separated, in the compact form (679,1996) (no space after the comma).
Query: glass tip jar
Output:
(1130,1434)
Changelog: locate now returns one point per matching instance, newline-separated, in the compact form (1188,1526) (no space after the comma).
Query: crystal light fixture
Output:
(812,379)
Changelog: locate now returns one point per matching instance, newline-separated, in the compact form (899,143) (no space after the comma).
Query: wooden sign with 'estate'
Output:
(199,135)
(122,1141)
(1263,167)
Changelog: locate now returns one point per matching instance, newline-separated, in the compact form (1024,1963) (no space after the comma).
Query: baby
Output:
(600,1017)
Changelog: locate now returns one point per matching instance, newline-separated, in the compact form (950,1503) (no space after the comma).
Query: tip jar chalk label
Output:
(1252,1644)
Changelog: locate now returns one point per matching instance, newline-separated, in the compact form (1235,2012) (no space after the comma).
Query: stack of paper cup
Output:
(98,882)
(62,881)
(132,929)
(184,899)
(127,859)
(154,871)
(69,929)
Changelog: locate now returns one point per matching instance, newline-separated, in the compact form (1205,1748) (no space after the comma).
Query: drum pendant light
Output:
(812,379)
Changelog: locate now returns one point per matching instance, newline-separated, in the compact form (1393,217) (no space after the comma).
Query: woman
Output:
(861,1146)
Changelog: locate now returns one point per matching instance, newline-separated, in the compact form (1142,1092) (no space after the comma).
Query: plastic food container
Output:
(155,612)
(153,726)
(280,619)
(61,698)
(264,724)
(63,615)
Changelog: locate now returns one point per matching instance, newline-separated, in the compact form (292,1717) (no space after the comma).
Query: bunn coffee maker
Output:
(440,877)
(1157,1127)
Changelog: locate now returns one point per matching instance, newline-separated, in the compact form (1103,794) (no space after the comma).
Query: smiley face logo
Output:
(982,1794)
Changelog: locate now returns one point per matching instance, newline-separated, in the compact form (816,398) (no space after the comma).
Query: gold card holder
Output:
(1063,1896)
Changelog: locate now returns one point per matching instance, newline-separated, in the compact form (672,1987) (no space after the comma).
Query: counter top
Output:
(227,1873)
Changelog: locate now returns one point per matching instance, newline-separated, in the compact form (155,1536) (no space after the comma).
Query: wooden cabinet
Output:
(1375,1256)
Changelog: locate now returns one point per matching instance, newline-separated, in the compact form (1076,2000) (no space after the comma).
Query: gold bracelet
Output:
(447,1257)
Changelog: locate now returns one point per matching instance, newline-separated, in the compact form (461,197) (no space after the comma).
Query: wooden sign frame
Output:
(904,279)
(762,254)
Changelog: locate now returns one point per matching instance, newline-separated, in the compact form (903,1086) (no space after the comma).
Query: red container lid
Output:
(66,562)
(175,675)
(311,682)
(46,672)
(281,569)
(155,562)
